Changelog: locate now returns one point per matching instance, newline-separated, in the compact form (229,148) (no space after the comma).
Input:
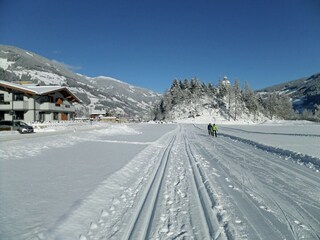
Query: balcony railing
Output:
(45,106)
(4,103)
(17,105)
(55,107)
(20,105)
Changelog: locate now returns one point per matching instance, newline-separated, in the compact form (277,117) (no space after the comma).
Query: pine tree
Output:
(195,87)
(250,99)
(176,92)
(270,105)
(237,98)
(223,89)
(186,84)
(203,89)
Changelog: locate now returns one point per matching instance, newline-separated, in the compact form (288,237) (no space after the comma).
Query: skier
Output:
(209,128)
(214,130)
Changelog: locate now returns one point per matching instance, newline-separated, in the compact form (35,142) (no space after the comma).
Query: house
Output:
(30,102)
(96,113)
(109,119)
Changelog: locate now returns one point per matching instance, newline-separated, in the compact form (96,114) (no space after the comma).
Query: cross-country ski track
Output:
(189,185)
(217,188)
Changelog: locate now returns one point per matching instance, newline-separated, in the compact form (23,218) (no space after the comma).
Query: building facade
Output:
(36,103)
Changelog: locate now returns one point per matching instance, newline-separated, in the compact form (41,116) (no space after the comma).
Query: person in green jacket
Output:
(214,130)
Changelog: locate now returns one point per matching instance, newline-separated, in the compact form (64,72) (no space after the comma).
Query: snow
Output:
(116,100)
(108,78)
(297,136)
(46,77)
(160,181)
(5,64)
(30,54)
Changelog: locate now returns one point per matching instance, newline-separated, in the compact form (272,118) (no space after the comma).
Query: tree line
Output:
(232,99)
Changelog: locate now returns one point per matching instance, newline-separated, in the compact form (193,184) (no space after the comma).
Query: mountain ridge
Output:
(304,92)
(120,98)
(102,92)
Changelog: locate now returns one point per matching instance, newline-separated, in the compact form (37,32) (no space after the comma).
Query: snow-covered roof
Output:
(38,90)
(45,89)
(97,112)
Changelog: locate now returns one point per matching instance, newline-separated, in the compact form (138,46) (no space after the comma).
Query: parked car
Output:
(19,126)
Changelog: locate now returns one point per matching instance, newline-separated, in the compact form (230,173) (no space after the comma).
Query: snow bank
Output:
(300,158)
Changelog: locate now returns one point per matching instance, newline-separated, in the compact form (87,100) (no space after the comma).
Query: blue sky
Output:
(148,43)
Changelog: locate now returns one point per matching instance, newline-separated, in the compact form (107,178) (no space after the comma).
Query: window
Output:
(18,97)
(1,115)
(42,116)
(2,99)
(55,116)
(19,115)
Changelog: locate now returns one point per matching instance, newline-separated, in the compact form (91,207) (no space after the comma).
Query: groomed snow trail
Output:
(169,200)
(262,195)
(193,186)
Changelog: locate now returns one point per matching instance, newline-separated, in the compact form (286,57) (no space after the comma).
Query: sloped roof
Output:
(40,90)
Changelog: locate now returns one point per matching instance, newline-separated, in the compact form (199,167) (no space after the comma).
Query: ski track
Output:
(174,201)
(302,159)
(261,177)
(189,185)
(271,133)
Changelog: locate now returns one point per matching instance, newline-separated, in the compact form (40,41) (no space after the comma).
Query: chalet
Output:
(32,103)
(97,114)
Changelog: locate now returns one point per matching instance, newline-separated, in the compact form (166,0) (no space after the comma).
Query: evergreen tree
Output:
(203,89)
(195,87)
(212,90)
(182,87)
(250,99)
(223,89)
(237,98)
(186,90)
(176,92)
(271,105)
(186,84)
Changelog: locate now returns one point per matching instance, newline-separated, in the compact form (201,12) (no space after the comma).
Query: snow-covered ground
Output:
(161,181)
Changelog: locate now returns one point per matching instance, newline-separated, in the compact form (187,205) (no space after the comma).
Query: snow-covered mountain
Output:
(121,98)
(100,92)
(304,92)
